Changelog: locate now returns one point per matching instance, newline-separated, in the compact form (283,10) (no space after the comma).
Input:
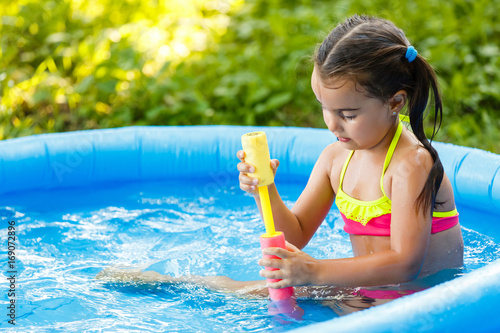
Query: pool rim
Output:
(82,158)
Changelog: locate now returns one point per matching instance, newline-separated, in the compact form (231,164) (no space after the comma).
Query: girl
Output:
(387,181)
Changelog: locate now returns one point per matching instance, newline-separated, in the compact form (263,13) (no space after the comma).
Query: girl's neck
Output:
(380,149)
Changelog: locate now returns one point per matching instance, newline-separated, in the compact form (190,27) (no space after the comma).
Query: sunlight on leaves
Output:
(82,56)
(71,64)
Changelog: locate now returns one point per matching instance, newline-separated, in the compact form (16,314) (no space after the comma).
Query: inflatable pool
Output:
(32,169)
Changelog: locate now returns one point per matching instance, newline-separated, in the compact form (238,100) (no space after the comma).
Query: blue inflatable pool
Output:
(87,158)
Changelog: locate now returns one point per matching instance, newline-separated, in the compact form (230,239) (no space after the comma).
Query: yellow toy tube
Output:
(267,212)
(257,154)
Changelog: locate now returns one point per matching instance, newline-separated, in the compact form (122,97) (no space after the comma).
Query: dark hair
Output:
(371,51)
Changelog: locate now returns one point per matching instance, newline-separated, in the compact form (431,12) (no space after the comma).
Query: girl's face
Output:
(358,121)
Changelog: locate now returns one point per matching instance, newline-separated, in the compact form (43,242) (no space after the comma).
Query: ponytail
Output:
(425,81)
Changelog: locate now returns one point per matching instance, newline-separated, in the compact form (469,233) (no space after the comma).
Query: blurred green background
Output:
(72,64)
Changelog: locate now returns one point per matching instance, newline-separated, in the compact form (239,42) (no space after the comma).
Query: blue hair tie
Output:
(411,53)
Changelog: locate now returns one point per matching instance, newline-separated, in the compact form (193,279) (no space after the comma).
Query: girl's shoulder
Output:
(332,159)
(412,163)
(333,153)
(409,166)
(411,155)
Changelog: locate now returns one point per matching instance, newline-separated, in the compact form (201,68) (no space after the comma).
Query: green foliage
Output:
(74,64)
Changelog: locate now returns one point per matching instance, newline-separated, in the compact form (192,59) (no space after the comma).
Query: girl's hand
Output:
(247,183)
(295,268)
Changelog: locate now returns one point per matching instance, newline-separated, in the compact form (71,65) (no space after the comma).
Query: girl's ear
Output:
(397,101)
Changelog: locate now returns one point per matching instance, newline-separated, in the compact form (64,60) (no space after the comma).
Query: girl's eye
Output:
(348,118)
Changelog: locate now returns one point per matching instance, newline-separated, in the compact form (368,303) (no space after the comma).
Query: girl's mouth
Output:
(344,139)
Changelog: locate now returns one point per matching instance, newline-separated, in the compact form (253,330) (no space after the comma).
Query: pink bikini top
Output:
(373,218)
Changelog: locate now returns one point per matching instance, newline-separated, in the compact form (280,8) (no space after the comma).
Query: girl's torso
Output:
(445,248)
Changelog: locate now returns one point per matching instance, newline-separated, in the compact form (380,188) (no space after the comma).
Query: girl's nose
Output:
(332,121)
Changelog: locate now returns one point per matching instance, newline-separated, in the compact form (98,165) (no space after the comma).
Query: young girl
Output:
(387,181)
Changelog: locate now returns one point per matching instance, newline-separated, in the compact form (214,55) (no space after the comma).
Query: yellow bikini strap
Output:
(388,157)
(404,118)
(344,168)
(445,214)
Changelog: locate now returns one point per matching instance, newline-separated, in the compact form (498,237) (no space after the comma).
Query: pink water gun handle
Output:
(275,240)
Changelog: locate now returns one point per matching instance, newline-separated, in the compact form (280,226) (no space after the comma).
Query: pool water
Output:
(66,237)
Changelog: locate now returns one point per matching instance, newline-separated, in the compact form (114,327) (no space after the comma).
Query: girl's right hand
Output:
(247,183)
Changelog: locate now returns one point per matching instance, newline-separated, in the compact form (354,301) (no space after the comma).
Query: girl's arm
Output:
(410,234)
(301,222)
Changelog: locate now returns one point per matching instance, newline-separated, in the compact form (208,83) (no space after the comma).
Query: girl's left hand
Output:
(295,268)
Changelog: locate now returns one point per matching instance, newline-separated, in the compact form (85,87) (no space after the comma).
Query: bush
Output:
(70,65)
